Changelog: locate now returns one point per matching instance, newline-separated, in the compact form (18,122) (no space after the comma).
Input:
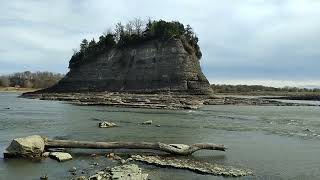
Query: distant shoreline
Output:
(269,93)
(15,90)
(308,96)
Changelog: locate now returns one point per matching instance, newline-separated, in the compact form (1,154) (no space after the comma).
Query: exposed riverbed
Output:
(274,141)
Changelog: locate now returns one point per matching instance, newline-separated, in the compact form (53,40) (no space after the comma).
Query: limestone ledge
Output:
(153,101)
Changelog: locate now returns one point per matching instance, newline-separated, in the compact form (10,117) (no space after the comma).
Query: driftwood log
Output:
(178,149)
(33,146)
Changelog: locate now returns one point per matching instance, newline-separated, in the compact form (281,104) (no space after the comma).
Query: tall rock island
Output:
(152,66)
(160,57)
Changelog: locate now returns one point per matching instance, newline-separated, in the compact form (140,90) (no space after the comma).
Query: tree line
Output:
(28,79)
(132,33)
(256,88)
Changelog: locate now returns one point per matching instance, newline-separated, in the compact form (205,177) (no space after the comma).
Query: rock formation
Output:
(157,67)
(193,165)
(31,146)
(153,66)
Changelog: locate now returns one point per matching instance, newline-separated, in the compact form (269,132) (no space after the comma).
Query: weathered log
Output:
(34,146)
(178,149)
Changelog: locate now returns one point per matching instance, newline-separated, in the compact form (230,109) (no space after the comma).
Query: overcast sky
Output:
(269,42)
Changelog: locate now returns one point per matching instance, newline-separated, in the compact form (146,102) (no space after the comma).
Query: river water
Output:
(270,140)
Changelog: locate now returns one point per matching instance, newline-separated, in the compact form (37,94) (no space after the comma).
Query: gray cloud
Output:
(240,39)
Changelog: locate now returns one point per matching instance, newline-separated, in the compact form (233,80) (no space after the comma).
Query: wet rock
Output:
(113,156)
(147,122)
(106,124)
(45,177)
(73,169)
(100,175)
(125,161)
(123,172)
(45,154)
(96,177)
(128,172)
(60,156)
(7,155)
(307,130)
(30,146)
(95,164)
(80,178)
(193,165)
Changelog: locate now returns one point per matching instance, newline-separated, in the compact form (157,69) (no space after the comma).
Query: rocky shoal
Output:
(154,101)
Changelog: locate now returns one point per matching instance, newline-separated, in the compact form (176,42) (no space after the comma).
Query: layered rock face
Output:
(153,66)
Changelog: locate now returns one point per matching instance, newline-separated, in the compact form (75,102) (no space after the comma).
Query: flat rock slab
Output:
(106,124)
(123,172)
(128,172)
(60,156)
(193,165)
(131,100)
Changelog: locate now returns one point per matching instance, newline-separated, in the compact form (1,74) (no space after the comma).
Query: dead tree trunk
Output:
(34,146)
(178,149)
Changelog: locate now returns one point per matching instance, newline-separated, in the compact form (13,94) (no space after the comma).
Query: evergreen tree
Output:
(84,45)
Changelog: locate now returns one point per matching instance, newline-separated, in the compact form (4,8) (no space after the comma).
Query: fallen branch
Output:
(33,146)
(178,149)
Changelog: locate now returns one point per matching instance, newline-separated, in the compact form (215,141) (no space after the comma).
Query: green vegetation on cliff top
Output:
(134,33)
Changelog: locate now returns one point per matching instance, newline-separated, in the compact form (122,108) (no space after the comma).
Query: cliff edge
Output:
(152,66)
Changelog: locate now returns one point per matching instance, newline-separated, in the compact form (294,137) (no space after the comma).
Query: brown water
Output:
(271,141)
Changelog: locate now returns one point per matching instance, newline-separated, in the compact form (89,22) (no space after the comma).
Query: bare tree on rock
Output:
(137,25)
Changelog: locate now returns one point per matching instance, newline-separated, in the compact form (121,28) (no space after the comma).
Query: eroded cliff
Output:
(152,66)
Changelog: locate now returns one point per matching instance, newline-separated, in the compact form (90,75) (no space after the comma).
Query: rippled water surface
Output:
(275,142)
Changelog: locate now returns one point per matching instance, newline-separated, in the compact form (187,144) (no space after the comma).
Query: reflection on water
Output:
(276,142)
